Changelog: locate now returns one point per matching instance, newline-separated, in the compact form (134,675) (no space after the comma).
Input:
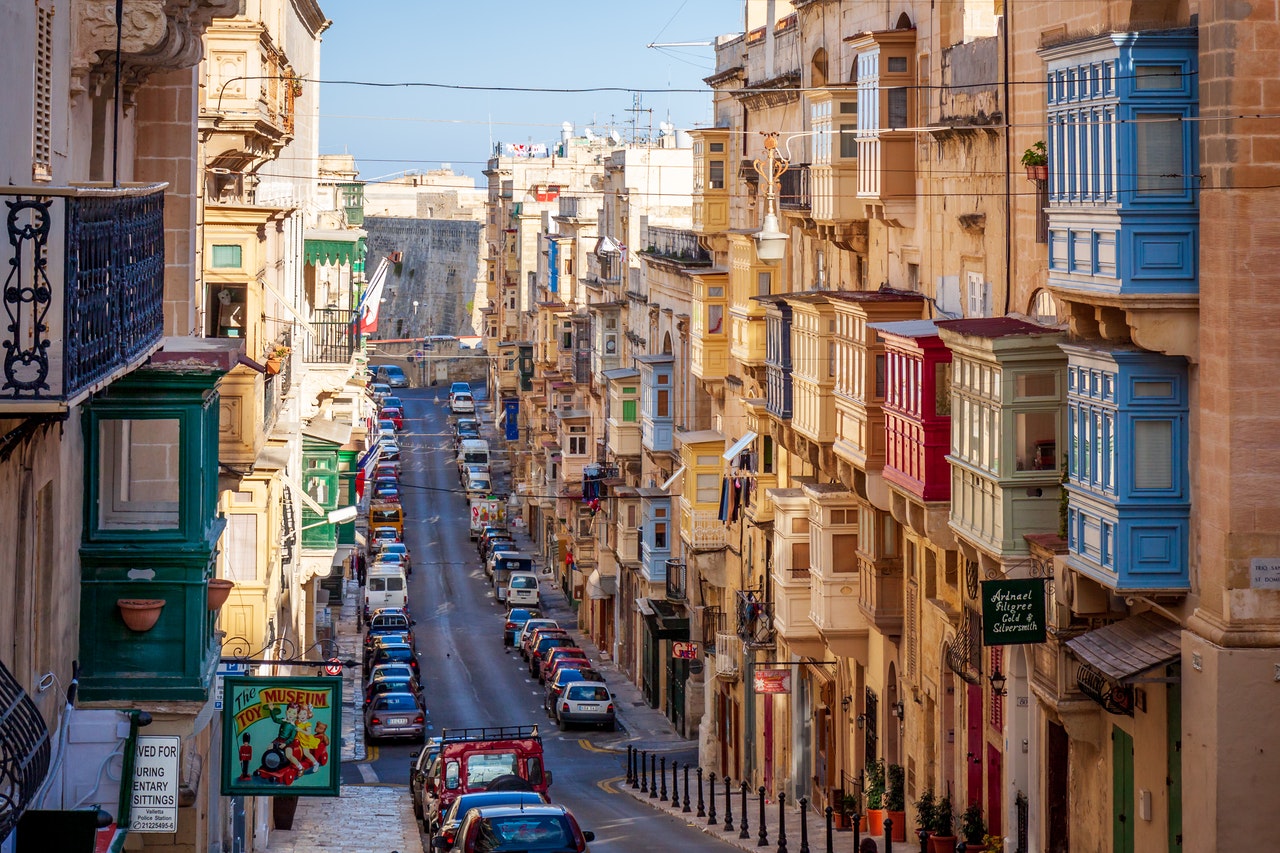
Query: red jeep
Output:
(497,758)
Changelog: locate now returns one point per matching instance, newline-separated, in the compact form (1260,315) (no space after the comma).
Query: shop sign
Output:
(773,681)
(684,651)
(1013,612)
(279,736)
(1264,573)
(154,805)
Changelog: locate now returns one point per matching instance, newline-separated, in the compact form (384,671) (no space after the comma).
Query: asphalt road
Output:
(470,680)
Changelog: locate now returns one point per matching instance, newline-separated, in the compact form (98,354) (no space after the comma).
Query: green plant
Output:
(875,784)
(926,808)
(1036,155)
(972,826)
(895,789)
(943,819)
(849,805)
(993,844)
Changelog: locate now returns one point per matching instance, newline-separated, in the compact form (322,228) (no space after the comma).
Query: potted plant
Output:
(926,808)
(276,359)
(943,839)
(1036,161)
(895,801)
(219,589)
(875,797)
(846,811)
(140,614)
(973,828)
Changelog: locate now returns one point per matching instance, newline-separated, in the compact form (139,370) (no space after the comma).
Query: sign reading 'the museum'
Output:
(280,736)
(1013,612)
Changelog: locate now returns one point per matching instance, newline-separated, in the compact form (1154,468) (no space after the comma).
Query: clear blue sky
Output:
(504,43)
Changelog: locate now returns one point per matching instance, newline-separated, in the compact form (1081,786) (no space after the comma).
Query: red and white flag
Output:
(372,300)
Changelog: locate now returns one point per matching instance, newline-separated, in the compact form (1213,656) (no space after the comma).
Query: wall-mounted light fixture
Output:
(845,703)
(898,710)
(998,682)
(861,720)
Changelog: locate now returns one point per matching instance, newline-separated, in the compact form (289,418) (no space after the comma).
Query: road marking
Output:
(367,773)
(591,747)
(609,786)
(370,753)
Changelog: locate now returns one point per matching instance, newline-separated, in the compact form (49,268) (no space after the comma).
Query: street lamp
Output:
(998,682)
(335,516)
(771,243)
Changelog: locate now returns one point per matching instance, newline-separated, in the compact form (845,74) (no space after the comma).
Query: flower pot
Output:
(942,844)
(282,809)
(219,589)
(899,825)
(875,821)
(140,614)
(1037,173)
(273,366)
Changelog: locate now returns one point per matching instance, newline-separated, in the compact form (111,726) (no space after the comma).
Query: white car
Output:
(531,626)
(522,590)
(463,404)
(587,702)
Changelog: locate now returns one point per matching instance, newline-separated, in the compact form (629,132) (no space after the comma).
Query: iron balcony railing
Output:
(755,619)
(793,188)
(334,341)
(676,244)
(83,293)
(677,580)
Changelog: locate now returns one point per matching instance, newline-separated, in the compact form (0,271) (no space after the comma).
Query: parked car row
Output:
(393,706)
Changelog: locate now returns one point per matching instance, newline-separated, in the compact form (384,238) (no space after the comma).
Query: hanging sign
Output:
(154,806)
(1013,612)
(684,651)
(773,681)
(279,736)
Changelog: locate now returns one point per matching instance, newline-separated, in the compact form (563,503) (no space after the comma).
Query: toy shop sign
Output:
(280,736)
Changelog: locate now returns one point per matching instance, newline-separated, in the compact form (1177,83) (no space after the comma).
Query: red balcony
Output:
(917,409)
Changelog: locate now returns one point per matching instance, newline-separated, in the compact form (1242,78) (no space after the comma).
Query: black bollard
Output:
(804,825)
(702,809)
(663,776)
(644,771)
(857,830)
(675,782)
(888,835)
(686,808)
(653,777)
(830,840)
(782,822)
(711,807)
(742,823)
(923,835)
(728,806)
(764,827)
(631,766)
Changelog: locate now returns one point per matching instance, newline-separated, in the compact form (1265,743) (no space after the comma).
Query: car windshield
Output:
(524,832)
(521,582)
(587,693)
(392,671)
(491,798)
(389,685)
(396,654)
(484,767)
(396,702)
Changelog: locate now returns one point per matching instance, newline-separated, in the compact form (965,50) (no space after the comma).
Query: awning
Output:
(1126,649)
(740,445)
(599,587)
(331,246)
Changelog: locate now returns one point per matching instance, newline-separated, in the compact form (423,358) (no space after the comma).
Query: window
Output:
(42,125)
(1037,437)
(715,175)
(800,560)
(764,283)
(240,561)
(577,441)
(226,256)
(664,404)
(138,476)
(844,552)
(659,534)
(708,489)
(1153,454)
(1148,77)
(766,456)
(942,389)
(897,117)
(1160,153)
(849,138)
(1037,385)
(715,319)
(880,376)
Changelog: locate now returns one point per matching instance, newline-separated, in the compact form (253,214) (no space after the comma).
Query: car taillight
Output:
(374,721)
(448,836)
(565,707)
(510,625)
(419,719)
(609,710)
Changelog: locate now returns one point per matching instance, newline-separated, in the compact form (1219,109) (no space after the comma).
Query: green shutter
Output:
(629,411)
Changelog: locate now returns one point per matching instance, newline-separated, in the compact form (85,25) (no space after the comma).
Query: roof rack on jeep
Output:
(489,733)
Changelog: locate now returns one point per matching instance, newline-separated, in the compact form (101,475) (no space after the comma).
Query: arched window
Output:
(904,22)
(1044,308)
(818,68)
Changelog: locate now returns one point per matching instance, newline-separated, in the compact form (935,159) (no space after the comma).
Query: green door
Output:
(1121,791)
(1174,733)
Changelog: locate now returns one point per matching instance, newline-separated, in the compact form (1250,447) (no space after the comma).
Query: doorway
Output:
(1121,791)
(1057,795)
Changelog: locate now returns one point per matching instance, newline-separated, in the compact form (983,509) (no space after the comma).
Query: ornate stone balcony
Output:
(83,291)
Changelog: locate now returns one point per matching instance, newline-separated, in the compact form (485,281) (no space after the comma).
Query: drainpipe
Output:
(137,719)
(1008,166)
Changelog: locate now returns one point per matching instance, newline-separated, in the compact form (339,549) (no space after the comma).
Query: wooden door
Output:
(1057,794)
(1173,728)
(995,789)
(1121,791)
(973,745)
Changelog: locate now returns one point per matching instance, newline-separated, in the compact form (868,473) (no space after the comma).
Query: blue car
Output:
(516,617)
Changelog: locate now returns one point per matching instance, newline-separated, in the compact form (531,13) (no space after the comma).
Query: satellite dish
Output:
(616,137)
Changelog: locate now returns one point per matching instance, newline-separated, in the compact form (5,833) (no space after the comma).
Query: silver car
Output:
(586,702)
(395,715)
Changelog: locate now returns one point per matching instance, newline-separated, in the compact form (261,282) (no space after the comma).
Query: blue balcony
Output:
(655,534)
(1128,518)
(657,403)
(83,291)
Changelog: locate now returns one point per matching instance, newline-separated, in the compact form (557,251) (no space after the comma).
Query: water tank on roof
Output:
(683,139)
(566,132)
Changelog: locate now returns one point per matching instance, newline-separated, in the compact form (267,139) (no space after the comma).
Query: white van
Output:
(473,451)
(522,590)
(385,586)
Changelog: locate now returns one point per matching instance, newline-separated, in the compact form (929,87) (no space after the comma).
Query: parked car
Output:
(385,622)
(538,649)
(393,375)
(386,490)
(394,402)
(374,689)
(379,391)
(381,536)
(397,653)
(465,429)
(387,469)
(459,388)
(421,782)
(462,404)
(452,819)
(387,556)
(566,674)
(388,451)
(584,702)
(473,469)
(522,588)
(526,631)
(398,715)
(549,656)
(401,549)
(516,617)
(503,829)
(502,542)
(393,414)
(386,427)
(578,662)
(393,672)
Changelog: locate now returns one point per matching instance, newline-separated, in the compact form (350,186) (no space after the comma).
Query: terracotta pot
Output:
(899,825)
(219,589)
(875,821)
(942,844)
(1037,173)
(140,614)
(273,366)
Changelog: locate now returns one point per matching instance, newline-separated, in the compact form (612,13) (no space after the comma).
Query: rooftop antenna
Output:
(637,107)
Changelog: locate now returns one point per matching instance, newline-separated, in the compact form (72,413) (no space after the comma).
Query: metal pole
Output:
(675,782)
(728,806)
(653,776)
(644,771)
(711,810)
(116,107)
(702,809)
(686,808)
(745,834)
(888,835)
(782,822)
(663,776)
(830,840)
(804,825)
(764,827)
(631,765)
(857,830)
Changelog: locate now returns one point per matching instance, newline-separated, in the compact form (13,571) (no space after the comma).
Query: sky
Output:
(504,44)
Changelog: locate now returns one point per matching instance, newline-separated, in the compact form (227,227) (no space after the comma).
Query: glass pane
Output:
(708,488)
(848,141)
(1037,440)
(138,474)
(942,389)
(844,552)
(764,283)
(240,562)
(226,257)
(716,174)
(1153,454)
(898,108)
(1159,166)
(1037,385)
(1147,77)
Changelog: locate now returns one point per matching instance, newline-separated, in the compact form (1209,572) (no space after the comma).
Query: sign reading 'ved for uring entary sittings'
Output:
(1013,612)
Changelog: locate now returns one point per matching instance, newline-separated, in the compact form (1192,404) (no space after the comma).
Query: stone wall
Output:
(439,269)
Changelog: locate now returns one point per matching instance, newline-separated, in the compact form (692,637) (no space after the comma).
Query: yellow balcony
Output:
(710,180)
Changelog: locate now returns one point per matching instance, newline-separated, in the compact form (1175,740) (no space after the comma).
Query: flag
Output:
(372,300)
